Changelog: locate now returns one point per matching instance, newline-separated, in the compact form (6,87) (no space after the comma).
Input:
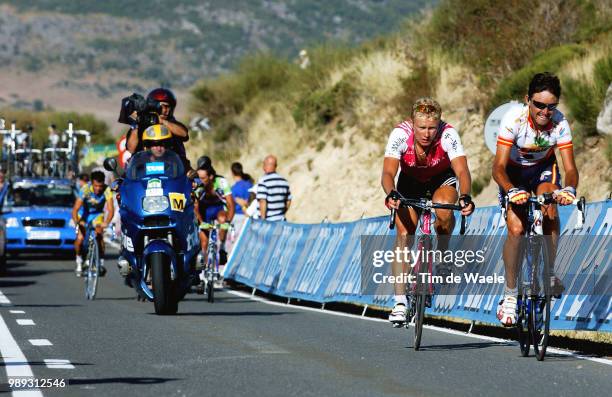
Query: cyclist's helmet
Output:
(164,95)
(204,163)
(155,135)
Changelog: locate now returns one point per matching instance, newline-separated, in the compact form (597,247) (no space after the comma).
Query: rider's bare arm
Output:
(288,204)
(231,207)
(500,176)
(132,141)
(569,166)
(176,128)
(110,212)
(75,210)
(390,167)
(460,167)
(263,207)
(196,209)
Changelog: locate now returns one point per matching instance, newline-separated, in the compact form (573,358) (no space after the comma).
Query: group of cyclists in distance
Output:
(424,154)
(432,164)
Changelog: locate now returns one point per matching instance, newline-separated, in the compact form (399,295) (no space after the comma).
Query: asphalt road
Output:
(237,346)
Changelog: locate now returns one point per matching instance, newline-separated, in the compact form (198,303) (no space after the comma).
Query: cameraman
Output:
(165,116)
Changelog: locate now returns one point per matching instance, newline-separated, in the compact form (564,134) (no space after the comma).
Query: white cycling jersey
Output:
(528,145)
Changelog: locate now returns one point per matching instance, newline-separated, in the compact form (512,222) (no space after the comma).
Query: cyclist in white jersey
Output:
(525,163)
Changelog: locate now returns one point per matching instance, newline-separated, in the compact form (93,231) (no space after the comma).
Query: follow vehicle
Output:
(37,214)
(160,240)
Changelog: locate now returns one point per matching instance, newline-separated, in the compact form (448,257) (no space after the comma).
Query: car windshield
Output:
(145,164)
(41,195)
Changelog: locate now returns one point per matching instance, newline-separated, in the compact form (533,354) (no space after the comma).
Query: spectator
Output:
(54,137)
(253,208)
(240,189)
(273,192)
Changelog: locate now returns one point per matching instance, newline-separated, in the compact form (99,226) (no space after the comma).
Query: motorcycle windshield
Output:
(147,164)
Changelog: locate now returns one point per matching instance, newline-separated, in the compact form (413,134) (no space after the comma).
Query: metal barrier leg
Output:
(253,292)
(471,326)
(364,311)
(323,306)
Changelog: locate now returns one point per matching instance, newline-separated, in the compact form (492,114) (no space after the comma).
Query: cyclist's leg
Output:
(203,241)
(78,244)
(551,224)
(445,191)
(406,220)
(222,219)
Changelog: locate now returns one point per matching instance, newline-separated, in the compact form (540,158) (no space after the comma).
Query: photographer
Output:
(157,108)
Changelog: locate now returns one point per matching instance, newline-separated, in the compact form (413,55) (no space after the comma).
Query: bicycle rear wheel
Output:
(522,327)
(93,260)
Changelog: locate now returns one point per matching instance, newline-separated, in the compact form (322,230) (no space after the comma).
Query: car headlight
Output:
(155,203)
(12,222)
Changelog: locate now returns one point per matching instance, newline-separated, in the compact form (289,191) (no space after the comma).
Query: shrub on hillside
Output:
(515,85)
(585,98)
(498,37)
(322,106)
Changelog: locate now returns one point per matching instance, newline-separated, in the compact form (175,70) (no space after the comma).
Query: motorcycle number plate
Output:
(43,235)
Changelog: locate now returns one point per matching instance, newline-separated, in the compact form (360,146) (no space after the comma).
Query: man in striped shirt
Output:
(273,192)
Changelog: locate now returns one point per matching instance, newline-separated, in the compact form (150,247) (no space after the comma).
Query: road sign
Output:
(200,124)
(493,122)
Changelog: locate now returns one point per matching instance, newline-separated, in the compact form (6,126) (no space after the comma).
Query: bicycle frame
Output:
(417,294)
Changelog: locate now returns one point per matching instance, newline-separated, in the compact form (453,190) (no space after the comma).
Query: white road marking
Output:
(432,327)
(56,363)
(25,321)
(16,312)
(4,301)
(40,342)
(15,362)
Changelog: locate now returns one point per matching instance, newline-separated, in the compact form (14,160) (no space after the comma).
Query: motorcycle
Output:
(159,233)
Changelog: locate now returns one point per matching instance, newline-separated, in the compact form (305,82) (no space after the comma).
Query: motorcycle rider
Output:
(178,131)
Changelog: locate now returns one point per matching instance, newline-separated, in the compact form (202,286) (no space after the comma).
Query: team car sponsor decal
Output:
(177,201)
(154,188)
(155,168)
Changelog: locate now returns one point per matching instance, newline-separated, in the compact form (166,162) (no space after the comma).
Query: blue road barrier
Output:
(322,263)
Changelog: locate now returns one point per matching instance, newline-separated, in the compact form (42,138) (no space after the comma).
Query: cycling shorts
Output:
(411,188)
(529,178)
(210,214)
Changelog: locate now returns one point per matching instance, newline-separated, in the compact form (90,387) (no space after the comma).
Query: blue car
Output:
(37,214)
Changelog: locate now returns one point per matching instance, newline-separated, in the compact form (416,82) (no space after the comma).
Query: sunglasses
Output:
(540,105)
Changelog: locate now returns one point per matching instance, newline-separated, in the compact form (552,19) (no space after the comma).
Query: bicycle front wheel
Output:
(93,261)
(540,325)
(419,317)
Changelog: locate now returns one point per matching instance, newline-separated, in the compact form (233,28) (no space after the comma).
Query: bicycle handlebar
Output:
(549,198)
(426,205)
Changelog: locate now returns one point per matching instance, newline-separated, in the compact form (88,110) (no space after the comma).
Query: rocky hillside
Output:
(329,124)
(86,55)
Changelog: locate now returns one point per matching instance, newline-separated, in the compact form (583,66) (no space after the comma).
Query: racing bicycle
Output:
(535,277)
(419,293)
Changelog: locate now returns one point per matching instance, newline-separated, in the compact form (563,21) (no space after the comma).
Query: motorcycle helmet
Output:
(163,95)
(156,134)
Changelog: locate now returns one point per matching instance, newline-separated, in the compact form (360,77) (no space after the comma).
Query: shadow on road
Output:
(12,283)
(465,346)
(230,314)
(127,380)
(48,305)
